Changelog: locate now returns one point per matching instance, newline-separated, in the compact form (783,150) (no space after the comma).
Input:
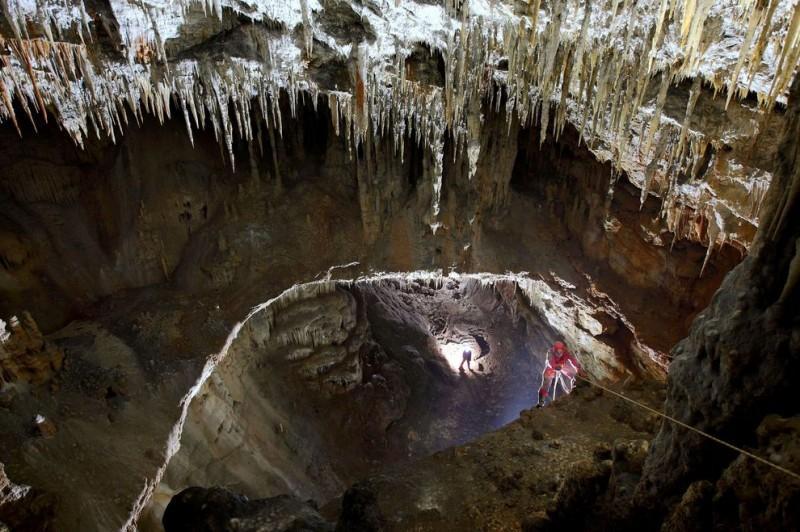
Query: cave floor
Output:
(511,478)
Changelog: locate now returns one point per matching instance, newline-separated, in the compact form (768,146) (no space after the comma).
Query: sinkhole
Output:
(336,380)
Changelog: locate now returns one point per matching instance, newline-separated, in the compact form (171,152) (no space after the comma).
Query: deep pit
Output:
(339,380)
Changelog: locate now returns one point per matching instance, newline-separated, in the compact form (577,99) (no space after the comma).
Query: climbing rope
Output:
(694,429)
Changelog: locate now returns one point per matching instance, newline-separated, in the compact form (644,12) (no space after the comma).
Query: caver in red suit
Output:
(561,364)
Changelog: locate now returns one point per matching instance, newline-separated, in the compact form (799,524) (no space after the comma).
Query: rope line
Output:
(694,429)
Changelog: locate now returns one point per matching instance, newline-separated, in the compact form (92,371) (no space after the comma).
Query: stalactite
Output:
(716,236)
(694,18)
(656,119)
(557,73)
(9,106)
(274,149)
(694,94)
(547,77)
(308,31)
(474,126)
(658,34)
(789,59)
(755,19)
(361,108)
(758,50)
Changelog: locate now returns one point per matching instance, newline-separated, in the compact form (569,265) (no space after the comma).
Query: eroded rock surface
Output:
(219,510)
(738,365)
(372,370)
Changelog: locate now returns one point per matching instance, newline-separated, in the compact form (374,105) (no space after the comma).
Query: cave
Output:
(374,368)
(312,265)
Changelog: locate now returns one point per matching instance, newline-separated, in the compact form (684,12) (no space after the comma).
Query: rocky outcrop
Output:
(219,510)
(751,495)
(748,495)
(25,509)
(26,358)
(739,365)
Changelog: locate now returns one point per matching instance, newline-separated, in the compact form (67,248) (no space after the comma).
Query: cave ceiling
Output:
(683,97)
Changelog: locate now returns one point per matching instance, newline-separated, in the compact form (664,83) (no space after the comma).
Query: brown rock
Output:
(45,428)
(25,356)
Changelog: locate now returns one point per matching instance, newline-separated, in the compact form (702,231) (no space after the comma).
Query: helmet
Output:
(559,346)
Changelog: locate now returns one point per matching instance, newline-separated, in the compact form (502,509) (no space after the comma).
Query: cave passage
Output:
(342,379)
(450,404)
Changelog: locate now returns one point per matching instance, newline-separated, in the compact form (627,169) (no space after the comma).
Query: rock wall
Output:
(620,231)
(738,366)
(253,422)
(173,214)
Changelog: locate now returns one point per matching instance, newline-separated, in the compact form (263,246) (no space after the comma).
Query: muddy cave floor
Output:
(513,477)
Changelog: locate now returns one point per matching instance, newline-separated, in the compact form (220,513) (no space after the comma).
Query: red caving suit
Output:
(558,361)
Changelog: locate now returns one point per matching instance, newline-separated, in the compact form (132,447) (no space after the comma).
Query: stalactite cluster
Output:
(584,62)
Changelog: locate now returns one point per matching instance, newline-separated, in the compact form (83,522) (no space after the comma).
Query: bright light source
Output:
(453,353)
